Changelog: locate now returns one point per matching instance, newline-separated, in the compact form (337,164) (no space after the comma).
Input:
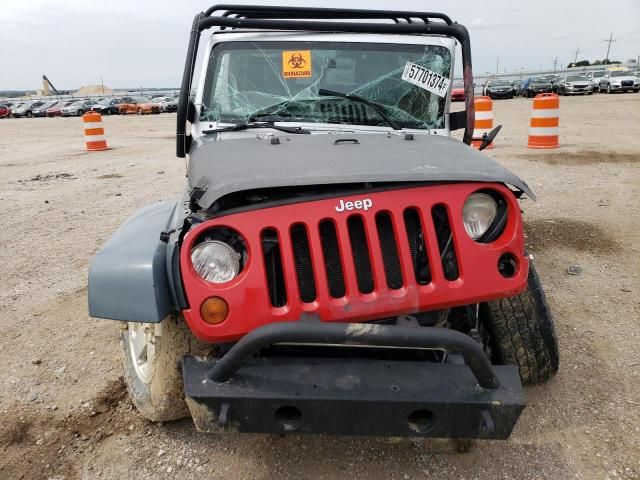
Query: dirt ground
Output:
(65,414)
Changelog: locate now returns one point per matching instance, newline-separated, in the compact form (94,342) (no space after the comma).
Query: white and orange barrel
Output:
(94,137)
(544,131)
(484,120)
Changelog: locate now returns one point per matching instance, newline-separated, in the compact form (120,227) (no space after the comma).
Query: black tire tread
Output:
(523,333)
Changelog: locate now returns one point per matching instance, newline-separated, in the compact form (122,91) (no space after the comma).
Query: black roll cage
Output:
(254,17)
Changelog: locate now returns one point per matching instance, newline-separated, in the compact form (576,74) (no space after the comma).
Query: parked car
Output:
(41,111)
(108,106)
(170,104)
(5,110)
(534,86)
(77,108)
(56,110)
(26,109)
(516,87)
(575,85)
(457,91)
(139,105)
(595,77)
(621,80)
(554,80)
(497,88)
(265,298)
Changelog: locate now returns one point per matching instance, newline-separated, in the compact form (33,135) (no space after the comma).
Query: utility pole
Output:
(575,60)
(497,64)
(609,48)
(555,63)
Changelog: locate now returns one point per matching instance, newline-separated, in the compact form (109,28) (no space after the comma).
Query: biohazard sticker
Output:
(425,78)
(296,64)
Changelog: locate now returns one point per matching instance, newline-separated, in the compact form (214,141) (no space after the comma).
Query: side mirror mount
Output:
(487,138)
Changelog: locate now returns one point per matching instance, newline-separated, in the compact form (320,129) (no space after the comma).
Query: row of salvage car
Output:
(609,81)
(78,107)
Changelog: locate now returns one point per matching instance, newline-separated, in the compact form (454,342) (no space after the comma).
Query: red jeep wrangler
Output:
(337,263)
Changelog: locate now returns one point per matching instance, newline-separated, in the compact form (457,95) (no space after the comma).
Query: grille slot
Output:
(361,256)
(415,236)
(446,245)
(332,260)
(303,263)
(273,267)
(389,249)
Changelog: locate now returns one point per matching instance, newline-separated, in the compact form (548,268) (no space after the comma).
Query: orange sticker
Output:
(296,64)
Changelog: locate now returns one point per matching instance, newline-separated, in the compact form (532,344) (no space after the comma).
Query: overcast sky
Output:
(132,43)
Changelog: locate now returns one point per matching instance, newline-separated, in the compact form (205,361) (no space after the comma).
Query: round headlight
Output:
(478,214)
(215,261)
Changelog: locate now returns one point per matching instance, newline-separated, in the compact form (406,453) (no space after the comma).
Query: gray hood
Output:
(232,165)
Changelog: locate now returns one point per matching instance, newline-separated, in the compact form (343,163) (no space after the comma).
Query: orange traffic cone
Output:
(484,120)
(93,132)
(545,121)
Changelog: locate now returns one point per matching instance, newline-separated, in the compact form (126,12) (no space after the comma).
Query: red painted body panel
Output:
(457,94)
(248,296)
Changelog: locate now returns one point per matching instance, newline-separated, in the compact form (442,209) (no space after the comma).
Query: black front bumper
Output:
(355,396)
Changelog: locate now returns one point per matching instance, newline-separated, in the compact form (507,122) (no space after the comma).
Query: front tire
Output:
(152,354)
(522,332)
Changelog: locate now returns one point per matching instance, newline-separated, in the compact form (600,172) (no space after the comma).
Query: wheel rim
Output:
(142,349)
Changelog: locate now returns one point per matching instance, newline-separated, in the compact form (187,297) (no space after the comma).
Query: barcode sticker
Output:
(425,78)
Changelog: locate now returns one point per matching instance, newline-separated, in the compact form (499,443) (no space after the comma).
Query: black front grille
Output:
(417,247)
(627,83)
(389,249)
(445,242)
(306,261)
(360,251)
(332,260)
(303,262)
(273,267)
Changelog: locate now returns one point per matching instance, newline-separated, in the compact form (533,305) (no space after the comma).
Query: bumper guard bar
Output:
(356,334)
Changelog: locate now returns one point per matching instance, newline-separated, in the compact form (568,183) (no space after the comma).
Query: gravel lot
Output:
(64,408)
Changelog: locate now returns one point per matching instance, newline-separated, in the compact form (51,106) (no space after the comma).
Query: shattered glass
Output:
(246,82)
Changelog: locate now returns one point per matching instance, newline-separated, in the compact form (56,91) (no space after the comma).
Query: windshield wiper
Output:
(355,98)
(249,125)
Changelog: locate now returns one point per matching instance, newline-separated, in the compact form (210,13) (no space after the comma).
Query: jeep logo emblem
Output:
(365,204)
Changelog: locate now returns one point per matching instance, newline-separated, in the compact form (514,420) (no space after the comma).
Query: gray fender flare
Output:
(128,277)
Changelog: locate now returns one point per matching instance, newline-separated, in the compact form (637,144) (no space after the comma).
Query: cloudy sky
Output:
(133,43)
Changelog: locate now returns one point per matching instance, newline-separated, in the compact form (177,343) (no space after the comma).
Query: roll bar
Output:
(256,17)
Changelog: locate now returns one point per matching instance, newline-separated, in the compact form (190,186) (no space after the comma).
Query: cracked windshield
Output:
(387,85)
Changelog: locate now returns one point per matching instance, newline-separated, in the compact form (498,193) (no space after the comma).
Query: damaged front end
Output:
(398,258)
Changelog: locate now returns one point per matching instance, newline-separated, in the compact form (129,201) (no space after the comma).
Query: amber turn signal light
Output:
(214,310)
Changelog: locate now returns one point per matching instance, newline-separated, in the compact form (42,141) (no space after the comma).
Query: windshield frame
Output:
(320,38)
